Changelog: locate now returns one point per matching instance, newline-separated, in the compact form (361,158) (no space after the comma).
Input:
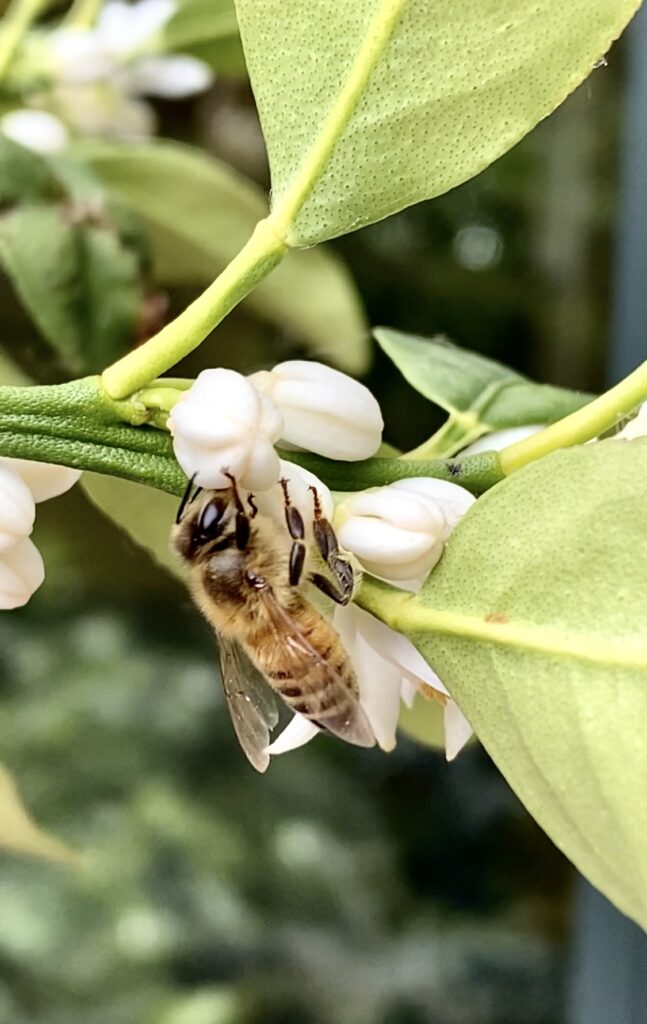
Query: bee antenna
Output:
(185,498)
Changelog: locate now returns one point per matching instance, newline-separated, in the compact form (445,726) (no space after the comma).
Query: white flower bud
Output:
(43,479)
(500,439)
(17,509)
(398,532)
(222,424)
(324,410)
(21,573)
(36,130)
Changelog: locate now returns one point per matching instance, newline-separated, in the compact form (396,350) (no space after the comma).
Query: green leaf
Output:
(144,513)
(76,278)
(536,621)
(370,106)
(207,29)
(24,175)
(480,394)
(19,834)
(200,213)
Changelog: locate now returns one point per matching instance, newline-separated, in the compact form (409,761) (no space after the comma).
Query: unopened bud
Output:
(324,411)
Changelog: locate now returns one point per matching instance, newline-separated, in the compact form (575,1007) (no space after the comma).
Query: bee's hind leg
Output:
(296,529)
(341,590)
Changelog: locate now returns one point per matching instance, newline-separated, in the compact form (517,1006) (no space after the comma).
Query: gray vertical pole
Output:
(609,961)
(629,319)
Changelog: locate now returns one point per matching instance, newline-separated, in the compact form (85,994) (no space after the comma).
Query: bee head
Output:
(201,520)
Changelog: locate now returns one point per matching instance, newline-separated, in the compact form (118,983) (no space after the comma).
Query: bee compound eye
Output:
(210,517)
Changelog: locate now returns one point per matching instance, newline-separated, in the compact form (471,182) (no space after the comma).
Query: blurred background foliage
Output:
(344,887)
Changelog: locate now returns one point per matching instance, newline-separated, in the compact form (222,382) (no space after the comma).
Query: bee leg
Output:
(242,520)
(296,529)
(341,590)
(252,505)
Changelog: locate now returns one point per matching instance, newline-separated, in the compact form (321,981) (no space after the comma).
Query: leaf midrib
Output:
(411,617)
(376,40)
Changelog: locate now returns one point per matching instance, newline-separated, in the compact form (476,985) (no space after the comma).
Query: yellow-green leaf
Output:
(144,513)
(370,106)
(536,621)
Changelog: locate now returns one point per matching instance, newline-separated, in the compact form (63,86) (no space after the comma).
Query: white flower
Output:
(96,75)
(389,669)
(398,532)
(222,424)
(324,410)
(43,479)
(502,438)
(21,574)
(35,129)
(17,509)
(21,484)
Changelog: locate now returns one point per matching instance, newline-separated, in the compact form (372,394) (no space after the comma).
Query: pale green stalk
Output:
(593,419)
(270,240)
(83,14)
(16,22)
(260,255)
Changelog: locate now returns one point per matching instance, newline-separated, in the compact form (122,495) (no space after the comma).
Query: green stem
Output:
(477,473)
(145,441)
(588,422)
(83,14)
(260,255)
(159,471)
(19,17)
(450,438)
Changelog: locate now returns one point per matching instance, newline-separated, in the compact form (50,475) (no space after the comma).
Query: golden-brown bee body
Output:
(239,576)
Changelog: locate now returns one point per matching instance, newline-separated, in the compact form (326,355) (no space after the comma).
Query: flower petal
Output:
(324,410)
(21,573)
(169,77)
(125,28)
(43,479)
(223,424)
(36,130)
(297,733)
(397,649)
(457,730)
(17,510)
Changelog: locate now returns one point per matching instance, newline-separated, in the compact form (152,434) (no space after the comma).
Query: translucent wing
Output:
(343,714)
(250,700)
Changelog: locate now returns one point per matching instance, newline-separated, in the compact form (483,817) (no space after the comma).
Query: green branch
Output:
(260,255)
(15,23)
(476,473)
(590,421)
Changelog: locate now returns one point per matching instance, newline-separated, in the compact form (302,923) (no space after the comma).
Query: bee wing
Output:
(351,724)
(250,700)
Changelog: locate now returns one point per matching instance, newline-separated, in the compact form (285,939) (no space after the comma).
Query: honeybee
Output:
(247,577)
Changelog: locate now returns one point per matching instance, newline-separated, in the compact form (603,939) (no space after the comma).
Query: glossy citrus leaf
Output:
(370,106)
(536,621)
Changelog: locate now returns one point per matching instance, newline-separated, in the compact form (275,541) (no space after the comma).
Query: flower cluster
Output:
(228,423)
(22,485)
(93,79)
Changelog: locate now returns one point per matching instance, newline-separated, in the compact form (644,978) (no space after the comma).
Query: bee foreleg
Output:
(296,529)
(341,590)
